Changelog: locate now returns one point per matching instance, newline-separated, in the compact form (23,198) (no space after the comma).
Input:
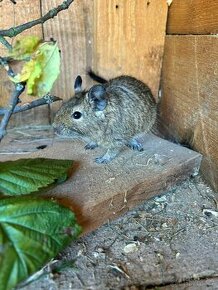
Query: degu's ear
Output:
(78,84)
(97,97)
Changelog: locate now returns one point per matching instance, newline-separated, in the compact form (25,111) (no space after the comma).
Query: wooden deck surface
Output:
(98,193)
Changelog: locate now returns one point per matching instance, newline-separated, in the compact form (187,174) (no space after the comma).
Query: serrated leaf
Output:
(24,47)
(32,231)
(24,176)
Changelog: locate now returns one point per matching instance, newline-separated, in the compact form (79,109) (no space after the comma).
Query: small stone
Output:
(130,248)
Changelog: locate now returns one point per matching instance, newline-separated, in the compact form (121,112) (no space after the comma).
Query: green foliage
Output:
(41,67)
(32,231)
(24,176)
(50,68)
(24,47)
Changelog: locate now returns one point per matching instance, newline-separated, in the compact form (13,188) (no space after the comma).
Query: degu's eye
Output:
(77,115)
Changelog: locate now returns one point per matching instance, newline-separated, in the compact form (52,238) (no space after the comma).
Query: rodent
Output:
(111,114)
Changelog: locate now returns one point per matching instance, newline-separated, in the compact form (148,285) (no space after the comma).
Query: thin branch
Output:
(5,43)
(4,63)
(13,31)
(47,99)
(19,88)
(13,108)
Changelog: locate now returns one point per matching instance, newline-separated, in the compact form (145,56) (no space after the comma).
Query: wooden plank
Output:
(189,107)
(98,193)
(20,13)
(73,30)
(193,17)
(12,15)
(129,39)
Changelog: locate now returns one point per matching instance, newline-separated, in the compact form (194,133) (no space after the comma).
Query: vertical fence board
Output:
(73,30)
(12,15)
(193,17)
(189,107)
(129,39)
(112,37)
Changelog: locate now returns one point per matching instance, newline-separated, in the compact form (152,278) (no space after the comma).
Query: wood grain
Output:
(113,37)
(129,39)
(189,107)
(193,17)
(20,13)
(13,15)
(73,30)
(98,193)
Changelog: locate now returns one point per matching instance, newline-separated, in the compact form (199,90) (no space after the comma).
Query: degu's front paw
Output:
(102,160)
(108,156)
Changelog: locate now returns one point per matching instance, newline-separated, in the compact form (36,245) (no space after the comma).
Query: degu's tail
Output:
(96,77)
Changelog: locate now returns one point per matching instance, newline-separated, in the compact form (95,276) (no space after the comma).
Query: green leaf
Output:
(31,71)
(24,176)
(41,71)
(24,47)
(32,231)
(49,58)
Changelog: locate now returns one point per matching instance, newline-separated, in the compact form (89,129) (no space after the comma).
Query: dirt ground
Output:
(168,242)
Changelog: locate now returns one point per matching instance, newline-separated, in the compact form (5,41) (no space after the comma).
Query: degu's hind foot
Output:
(135,145)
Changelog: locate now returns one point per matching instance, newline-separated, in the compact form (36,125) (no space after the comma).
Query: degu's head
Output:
(77,114)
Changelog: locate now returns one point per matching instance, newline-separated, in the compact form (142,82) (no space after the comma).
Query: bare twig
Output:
(4,63)
(19,88)
(5,43)
(47,99)
(13,31)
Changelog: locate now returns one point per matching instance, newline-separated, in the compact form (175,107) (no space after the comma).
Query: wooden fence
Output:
(112,36)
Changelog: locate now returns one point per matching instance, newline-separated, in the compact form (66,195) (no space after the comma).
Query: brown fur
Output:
(129,110)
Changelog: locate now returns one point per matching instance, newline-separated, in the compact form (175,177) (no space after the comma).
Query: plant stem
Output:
(4,63)
(5,43)
(13,31)
(47,99)
(19,88)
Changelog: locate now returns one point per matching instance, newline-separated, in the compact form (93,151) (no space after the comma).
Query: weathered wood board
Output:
(189,106)
(112,37)
(98,193)
(129,39)
(12,15)
(193,17)
(73,30)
